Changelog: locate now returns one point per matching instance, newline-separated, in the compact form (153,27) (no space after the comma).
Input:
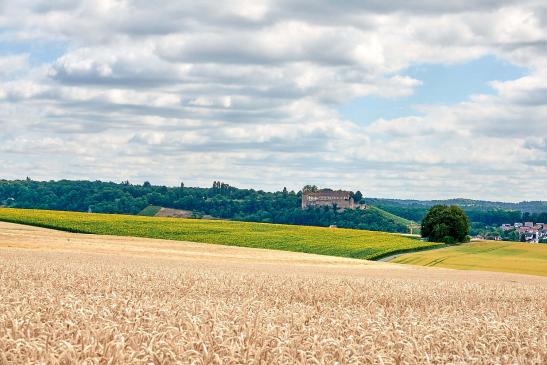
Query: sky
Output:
(419,101)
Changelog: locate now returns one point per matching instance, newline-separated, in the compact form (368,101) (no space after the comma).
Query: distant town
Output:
(524,232)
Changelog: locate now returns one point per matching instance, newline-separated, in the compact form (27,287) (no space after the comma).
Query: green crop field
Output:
(396,218)
(523,258)
(318,240)
(393,217)
(150,211)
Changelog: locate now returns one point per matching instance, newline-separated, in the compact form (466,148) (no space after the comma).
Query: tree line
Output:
(220,200)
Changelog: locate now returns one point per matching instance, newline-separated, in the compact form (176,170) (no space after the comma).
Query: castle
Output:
(326,197)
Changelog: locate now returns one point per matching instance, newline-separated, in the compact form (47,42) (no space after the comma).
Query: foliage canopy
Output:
(447,224)
(220,201)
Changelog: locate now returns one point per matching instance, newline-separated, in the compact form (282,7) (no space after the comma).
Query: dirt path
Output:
(391,257)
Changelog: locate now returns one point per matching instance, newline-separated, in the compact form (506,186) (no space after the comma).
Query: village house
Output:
(532,234)
(328,198)
(528,232)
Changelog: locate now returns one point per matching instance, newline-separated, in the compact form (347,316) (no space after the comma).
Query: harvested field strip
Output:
(318,240)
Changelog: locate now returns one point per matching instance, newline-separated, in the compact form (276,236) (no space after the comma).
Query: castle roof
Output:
(330,193)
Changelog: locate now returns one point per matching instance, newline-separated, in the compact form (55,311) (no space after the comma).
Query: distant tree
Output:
(358,196)
(220,187)
(447,224)
(511,236)
(309,189)
(146,184)
(181,185)
(285,192)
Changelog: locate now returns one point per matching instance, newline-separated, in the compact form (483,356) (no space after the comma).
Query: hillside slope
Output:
(326,241)
(522,258)
(150,211)
(395,218)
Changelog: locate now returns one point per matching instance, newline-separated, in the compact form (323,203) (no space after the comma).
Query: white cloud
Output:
(11,64)
(160,90)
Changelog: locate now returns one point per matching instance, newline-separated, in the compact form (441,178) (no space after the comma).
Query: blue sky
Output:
(274,93)
(39,52)
(441,84)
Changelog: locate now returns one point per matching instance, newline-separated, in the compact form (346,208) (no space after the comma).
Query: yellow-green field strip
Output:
(325,241)
(522,258)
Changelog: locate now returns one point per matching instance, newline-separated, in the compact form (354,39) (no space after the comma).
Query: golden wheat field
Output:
(68,298)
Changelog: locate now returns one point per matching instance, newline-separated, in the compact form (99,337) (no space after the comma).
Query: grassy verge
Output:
(325,241)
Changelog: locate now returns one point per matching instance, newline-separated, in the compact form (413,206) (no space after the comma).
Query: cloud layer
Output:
(248,92)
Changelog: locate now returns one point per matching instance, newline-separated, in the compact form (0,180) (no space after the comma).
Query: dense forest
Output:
(224,201)
(221,201)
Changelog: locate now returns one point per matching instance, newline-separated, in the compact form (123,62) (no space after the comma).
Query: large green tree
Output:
(447,224)
(358,196)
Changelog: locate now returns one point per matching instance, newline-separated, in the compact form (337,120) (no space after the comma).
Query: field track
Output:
(72,298)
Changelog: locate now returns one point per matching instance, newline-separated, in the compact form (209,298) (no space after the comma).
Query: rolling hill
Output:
(326,241)
(523,258)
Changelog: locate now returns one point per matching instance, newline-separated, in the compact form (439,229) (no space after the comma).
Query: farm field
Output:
(524,258)
(318,240)
(150,211)
(73,298)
